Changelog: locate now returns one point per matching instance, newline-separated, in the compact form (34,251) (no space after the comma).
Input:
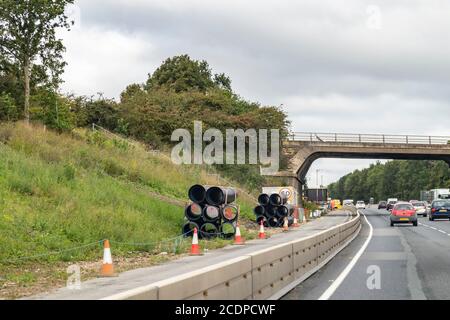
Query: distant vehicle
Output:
(360,205)
(440,209)
(348,202)
(390,204)
(420,207)
(437,194)
(382,205)
(336,204)
(411,201)
(403,212)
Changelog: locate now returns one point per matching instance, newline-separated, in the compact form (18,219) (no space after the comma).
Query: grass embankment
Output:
(59,191)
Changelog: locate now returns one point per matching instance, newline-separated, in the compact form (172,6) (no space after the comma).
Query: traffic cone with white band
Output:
(195,248)
(107,269)
(238,240)
(296,224)
(285,225)
(262,234)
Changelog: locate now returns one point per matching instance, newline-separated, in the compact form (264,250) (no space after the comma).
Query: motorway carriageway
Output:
(384,262)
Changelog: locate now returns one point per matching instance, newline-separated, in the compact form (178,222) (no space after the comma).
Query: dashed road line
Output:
(433,228)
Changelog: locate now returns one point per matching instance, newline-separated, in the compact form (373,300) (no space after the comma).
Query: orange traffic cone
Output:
(238,240)
(296,224)
(107,269)
(195,248)
(262,234)
(285,225)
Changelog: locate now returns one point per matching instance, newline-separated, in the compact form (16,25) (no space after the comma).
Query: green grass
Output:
(59,191)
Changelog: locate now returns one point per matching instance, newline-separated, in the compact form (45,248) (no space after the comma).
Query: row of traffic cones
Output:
(107,269)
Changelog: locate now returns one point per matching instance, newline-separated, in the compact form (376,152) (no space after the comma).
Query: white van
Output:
(348,202)
(360,204)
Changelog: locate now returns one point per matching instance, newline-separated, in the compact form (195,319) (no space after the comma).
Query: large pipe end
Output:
(230,213)
(228,229)
(188,228)
(263,199)
(197,193)
(193,211)
(211,213)
(259,210)
(275,199)
(215,196)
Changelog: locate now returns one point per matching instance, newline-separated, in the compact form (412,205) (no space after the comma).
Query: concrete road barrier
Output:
(272,270)
(265,274)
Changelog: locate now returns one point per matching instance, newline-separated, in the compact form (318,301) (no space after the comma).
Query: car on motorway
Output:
(348,202)
(403,212)
(336,204)
(382,205)
(360,204)
(440,209)
(421,207)
(390,204)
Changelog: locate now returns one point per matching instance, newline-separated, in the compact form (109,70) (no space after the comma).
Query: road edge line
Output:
(311,272)
(335,285)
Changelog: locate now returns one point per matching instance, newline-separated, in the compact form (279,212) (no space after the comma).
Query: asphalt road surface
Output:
(383,262)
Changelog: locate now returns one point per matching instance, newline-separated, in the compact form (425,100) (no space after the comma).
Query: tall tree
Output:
(181,73)
(28,37)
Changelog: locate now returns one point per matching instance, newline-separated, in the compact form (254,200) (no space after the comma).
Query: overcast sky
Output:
(336,66)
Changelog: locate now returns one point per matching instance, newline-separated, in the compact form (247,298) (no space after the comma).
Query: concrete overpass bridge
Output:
(303,148)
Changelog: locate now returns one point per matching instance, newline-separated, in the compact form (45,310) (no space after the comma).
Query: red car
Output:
(403,212)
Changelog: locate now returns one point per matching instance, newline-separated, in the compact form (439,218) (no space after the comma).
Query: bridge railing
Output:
(368,138)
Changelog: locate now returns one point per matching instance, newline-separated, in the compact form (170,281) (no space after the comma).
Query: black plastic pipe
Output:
(188,228)
(197,193)
(193,212)
(228,229)
(211,213)
(217,196)
(263,199)
(275,199)
(208,230)
(271,211)
(273,222)
(259,210)
(230,213)
(282,211)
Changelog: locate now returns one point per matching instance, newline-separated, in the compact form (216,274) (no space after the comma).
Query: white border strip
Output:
(296,282)
(335,285)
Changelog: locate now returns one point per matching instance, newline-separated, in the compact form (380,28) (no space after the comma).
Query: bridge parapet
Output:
(314,137)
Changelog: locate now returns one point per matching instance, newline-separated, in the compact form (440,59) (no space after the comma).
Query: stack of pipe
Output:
(272,210)
(212,211)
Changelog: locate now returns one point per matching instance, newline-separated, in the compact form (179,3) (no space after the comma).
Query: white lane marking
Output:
(439,230)
(335,285)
